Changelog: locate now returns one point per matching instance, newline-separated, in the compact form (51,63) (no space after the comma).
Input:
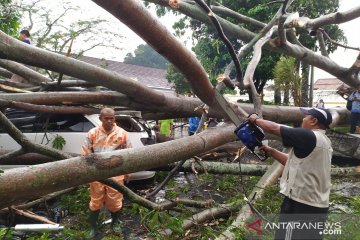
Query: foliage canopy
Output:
(9,18)
(146,56)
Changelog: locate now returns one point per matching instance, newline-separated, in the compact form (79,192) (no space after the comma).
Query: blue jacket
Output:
(26,41)
(193,124)
(355,105)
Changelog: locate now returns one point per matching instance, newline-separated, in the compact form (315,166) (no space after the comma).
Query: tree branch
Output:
(206,215)
(25,72)
(48,109)
(10,89)
(5,73)
(355,68)
(181,106)
(336,43)
(34,181)
(12,155)
(306,55)
(50,23)
(222,10)
(321,41)
(333,18)
(133,14)
(216,23)
(26,144)
(167,179)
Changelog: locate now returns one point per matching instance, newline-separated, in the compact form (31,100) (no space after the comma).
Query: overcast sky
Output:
(131,40)
(345,57)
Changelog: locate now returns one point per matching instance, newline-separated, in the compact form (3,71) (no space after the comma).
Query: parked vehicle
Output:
(68,131)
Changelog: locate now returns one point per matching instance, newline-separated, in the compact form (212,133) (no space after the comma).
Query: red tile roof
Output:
(328,84)
(151,77)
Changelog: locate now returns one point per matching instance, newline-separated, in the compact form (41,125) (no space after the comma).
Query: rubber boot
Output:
(93,220)
(116,223)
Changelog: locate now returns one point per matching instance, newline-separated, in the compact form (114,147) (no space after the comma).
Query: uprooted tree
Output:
(18,185)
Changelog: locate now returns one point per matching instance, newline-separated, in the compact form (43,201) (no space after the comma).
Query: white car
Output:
(43,128)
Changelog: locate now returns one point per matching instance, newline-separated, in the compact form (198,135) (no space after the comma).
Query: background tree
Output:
(212,58)
(287,78)
(213,54)
(261,11)
(173,75)
(54,29)
(9,18)
(55,25)
(314,9)
(145,55)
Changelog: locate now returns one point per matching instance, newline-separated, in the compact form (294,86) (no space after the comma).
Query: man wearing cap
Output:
(305,180)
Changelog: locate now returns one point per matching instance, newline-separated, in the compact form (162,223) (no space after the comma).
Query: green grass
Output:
(342,129)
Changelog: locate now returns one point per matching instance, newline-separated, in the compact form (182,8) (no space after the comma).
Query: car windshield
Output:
(40,122)
(128,123)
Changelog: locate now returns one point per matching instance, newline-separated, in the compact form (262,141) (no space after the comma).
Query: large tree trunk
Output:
(24,183)
(134,15)
(21,184)
(180,106)
(248,169)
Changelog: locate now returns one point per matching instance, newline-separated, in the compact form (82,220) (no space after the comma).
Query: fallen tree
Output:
(24,183)
(249,169)
(30,182)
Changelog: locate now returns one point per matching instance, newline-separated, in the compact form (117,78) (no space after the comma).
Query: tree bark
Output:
(5,73)
(14,50)
(25,72)
(299,52)
(208,215)
(30,182)
(250,169)
(181,106)
(134,14)
(49,109)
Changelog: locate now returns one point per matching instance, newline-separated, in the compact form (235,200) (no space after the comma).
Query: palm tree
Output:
(287,78)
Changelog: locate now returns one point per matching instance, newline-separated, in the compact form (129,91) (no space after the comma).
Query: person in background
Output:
(305,180)
(25,36)
(320,104)
(105,138)
(355,109)
(166,126)
(193,125)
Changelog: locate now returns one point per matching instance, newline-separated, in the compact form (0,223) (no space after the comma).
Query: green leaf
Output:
(58,142)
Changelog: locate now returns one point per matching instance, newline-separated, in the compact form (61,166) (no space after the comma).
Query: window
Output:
(128,124)
(24,121)
(42,122)
(63,123)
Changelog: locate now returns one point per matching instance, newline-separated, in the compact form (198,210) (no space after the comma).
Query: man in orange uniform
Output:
(104,138)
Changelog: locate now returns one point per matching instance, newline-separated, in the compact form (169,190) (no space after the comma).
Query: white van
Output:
(43,128)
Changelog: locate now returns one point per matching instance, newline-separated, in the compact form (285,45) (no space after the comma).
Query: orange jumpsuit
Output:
(97,141)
